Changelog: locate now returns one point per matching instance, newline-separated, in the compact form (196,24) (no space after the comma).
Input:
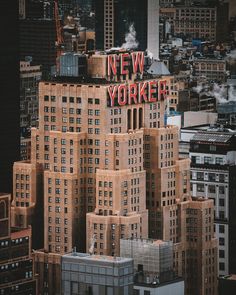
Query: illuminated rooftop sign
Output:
(125,63)
(135,93)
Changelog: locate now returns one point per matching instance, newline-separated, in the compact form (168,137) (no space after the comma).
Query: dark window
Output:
(221,229)
(221,253)
(221,241)
(221,189)
(221,266)
(221,202)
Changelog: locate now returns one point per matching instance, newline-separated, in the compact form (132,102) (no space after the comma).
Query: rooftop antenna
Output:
(74,251)
(92,242)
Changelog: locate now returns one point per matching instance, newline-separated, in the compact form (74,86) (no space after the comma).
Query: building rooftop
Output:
(214,137)
(144,281)
(158,68)
(229,277)
(149,241)
(100,258)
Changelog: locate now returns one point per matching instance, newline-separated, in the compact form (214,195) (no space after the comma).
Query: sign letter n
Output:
(111,64)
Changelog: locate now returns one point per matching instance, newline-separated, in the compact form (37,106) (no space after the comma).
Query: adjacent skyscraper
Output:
(213,175)
(9,88)
(16,264)
(114,19)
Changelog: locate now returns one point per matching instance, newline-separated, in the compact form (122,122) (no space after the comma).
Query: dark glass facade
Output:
(9,89)
(125,13)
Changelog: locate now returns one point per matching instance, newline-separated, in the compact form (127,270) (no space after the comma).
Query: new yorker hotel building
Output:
(90,147)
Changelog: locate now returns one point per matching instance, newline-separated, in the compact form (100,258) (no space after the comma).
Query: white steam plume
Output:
(200,88)
(130,39)
(149,54)
(231,57)
(232,93)
(219,92)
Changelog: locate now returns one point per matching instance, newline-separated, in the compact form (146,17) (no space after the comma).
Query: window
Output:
(72,99)
(221,254)
(200,176)
(90,112)
(195,159)
(219,161)
(64,99)
(221,214)
(211,189)
(221,228)
(221,241)
(221,202)
(212,148)
(211,176)
(207,160)
(221,178)
(221,266)
(200,187)
(97,101)
(221,189)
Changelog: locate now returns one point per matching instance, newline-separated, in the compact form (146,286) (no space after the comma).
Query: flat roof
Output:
(93,257)
(212,137)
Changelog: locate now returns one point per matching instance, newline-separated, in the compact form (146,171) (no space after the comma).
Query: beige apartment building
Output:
(102,162)
(195,255)
(192,21)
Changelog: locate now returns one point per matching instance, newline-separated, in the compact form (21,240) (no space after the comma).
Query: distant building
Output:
(213,176)
(153,257)
(227,285)
(153,266)
(29,80)
(37,39)
(16,264)
(94,274)
(48,271)
(22,14)
(227,113)
(27,206)
(192,21)
(211,68)
(195,256)
(86,40)
(187,102)
(25,148)
(113,19)
(199,118)
(10,92)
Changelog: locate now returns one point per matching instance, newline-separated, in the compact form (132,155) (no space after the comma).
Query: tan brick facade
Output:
(109,172)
